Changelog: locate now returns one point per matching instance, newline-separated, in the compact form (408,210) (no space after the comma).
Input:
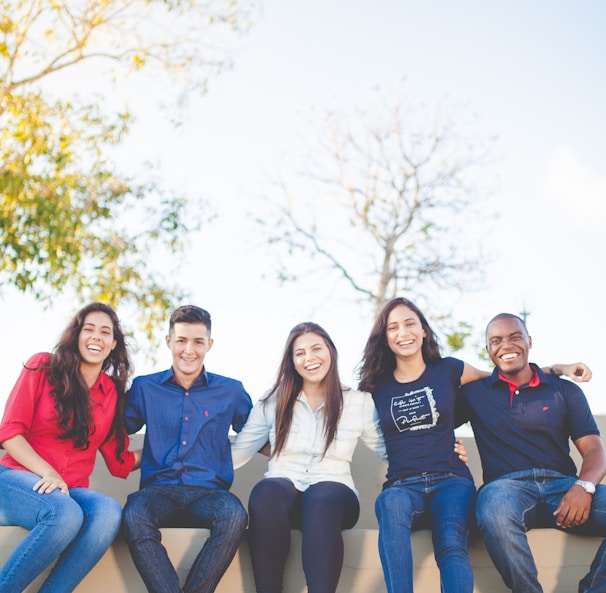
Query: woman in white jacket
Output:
(312,423)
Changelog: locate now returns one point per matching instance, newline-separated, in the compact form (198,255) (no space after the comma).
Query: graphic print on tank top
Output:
(415,410)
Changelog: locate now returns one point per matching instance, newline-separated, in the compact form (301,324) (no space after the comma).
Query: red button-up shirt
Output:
(30,411)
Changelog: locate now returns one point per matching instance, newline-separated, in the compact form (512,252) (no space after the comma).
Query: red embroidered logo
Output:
(545,408)
(206,413)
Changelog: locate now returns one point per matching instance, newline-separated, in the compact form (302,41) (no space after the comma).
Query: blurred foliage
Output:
(71,221)
(68,221)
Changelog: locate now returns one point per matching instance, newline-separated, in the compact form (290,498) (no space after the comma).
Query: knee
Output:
(239,517)
(445,554)
(114,510)
(492,513)
(230,516)
(267,496)
(329,503)
(385,500)
(450,540)
(135,517)
(484,514)
(65,515)
(110,518)
(392,505)
(130,514)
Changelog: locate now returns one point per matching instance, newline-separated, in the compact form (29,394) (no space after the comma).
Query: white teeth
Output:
(509,356)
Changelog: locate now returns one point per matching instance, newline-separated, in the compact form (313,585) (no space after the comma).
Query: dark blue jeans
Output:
(510,505)
(445,503)
(169,505)
(321,512)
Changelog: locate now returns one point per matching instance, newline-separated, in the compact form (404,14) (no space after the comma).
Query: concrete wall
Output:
(562,559)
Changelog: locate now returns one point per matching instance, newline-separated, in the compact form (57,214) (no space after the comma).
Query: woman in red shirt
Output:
(64,408)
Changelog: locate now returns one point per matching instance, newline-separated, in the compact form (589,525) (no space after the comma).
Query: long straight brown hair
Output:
(289,383)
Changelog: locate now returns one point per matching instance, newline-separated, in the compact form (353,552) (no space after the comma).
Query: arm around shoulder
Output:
(470,373)
(577,371)
(372,436)
(253,436)
(132,414)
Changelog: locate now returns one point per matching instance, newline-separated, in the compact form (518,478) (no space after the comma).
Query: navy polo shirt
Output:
(186,436)
(528,427)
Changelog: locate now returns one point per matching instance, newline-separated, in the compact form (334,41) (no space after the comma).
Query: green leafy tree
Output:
(70,220)
(67,221)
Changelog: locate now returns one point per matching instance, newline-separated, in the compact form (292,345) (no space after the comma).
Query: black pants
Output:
(321,512)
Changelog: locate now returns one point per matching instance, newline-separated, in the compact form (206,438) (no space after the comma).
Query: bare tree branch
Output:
(390,203)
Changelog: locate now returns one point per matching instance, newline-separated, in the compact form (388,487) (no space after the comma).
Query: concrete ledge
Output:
(562,560)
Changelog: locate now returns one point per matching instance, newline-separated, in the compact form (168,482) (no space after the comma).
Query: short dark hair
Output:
(506,316)
(189,314)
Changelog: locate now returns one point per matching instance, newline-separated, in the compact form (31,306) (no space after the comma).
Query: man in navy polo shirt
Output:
(186,467)
(522,419)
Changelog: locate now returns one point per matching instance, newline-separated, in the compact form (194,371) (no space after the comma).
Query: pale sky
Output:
(532,71)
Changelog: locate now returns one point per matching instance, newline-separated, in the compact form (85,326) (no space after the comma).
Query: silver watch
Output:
(589,487)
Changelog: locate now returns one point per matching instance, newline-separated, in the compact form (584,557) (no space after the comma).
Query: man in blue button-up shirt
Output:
(186,467)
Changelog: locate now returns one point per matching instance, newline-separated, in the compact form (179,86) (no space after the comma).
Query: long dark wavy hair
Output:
(378,360)
(289,383)
(71,393)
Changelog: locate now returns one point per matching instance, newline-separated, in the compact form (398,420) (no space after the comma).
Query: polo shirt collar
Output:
(537,377)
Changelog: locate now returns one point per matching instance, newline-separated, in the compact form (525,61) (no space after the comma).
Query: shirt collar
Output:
(103,383)
(169,377)
(535,381)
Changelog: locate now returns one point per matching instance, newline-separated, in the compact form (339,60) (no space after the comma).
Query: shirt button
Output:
(186,418)
(184,442)
(186,393)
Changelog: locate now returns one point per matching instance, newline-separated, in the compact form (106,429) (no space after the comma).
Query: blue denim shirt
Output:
(187,430)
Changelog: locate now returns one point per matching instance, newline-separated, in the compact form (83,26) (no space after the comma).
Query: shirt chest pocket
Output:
(300,438)
(344,444)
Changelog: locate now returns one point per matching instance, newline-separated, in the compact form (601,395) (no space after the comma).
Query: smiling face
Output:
(508,345)
(96,338)
(404,333)
(311,358)
(189,343)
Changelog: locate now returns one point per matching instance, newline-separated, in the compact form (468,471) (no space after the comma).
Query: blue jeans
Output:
(510,505)
(320,512)
(76,530)
(441,501)
(177,505)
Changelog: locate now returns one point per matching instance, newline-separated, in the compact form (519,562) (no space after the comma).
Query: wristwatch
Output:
(589,487)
